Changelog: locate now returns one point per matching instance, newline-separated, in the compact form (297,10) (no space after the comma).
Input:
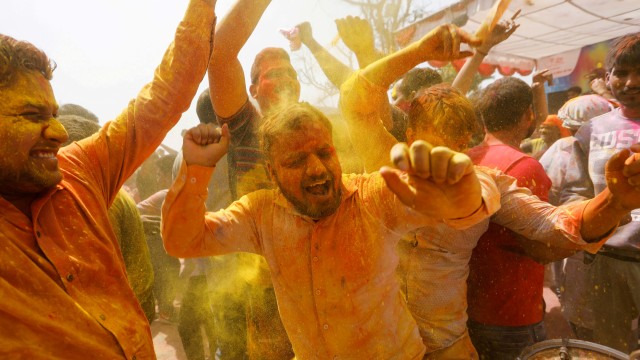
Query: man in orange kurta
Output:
(328,238)
(63,287)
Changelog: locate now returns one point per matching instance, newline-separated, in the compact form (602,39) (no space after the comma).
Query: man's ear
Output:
(270,172)
(530,115)
(253,90)
(607,77)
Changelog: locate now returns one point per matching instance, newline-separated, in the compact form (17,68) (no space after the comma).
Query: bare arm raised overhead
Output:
(334,69)
(500,33)
(364,101)
(226,76)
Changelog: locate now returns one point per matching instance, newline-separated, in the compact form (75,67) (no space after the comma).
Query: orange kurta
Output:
(63,288)
(334,278)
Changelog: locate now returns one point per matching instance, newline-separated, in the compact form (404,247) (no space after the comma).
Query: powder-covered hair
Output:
(445,110)
(19,56)
(416,79)
(624,50)
(291,117)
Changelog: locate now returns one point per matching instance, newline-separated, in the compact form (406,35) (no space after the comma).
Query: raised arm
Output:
(226,76)
(500,33)
(334,69)
(363,99)
(187,230)
(119,148)
(540,107)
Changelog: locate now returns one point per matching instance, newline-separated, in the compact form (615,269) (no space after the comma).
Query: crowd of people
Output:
(413,226)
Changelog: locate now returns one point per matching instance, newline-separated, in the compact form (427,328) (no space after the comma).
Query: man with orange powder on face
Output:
(64,290)
(328,238)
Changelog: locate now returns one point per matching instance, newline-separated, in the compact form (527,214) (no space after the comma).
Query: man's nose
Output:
(53,130)
(315,166)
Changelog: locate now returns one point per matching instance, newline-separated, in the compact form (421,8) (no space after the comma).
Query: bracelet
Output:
(481,52)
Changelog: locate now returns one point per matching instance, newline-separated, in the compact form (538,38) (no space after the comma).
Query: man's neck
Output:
(631,113)
(503,138)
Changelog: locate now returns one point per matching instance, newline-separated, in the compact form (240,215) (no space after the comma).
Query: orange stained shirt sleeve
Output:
(64,290)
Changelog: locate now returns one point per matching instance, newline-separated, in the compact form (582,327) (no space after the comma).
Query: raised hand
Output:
(305,32)
(443,43)
(205,144)
(540,77)
(439,182)
(500,33)
(357,34)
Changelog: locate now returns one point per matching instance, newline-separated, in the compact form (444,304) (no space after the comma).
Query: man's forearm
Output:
(334,69)
(464,79)
(385,71)
(233,31)
(541,108)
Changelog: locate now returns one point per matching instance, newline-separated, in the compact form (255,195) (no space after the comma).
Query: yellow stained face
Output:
(305,166)
(30,136)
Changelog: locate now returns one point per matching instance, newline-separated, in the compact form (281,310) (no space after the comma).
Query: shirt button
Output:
(193,180)
(414,243)
(133,357)
(318,292)
(38,233)
(102,317)
(315,258)
(70,277)
(325,326)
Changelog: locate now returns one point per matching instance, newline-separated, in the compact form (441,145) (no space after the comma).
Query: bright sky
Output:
(107,50)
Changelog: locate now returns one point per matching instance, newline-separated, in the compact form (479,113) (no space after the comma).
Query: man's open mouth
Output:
(319,187)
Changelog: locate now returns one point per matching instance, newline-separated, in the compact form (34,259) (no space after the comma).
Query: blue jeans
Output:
(504,342)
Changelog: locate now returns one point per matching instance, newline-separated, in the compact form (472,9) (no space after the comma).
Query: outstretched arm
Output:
(500,33)
(441,43)
(226,76)
(336,71)
(605,211)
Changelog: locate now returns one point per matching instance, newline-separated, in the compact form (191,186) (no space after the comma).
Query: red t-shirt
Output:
(504,285)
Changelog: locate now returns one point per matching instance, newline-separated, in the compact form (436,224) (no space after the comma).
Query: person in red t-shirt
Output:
(505,286)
